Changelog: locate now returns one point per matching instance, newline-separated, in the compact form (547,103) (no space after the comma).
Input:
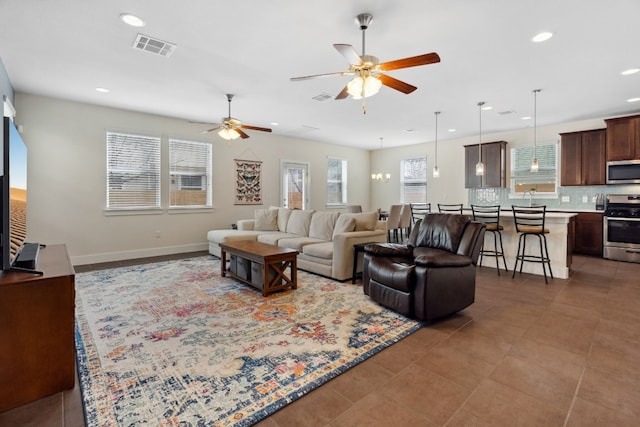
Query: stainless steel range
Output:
(622,228)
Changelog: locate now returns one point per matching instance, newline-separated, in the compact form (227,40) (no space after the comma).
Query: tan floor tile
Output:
(555,388)
(585,413)
(317,408)
(45,412)
(551,358)
(376,410)
(358,381)
(616,355)
(499,405)
(562,331)
(617,393)
(426,393)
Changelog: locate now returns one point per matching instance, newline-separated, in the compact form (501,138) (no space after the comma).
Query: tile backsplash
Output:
(569,198)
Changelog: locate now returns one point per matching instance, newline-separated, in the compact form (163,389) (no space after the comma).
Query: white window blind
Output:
(542,181)
(133,171)
(189,174)
(413,180)
(336,181)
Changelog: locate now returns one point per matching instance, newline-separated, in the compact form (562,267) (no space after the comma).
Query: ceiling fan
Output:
(370,74)
(231,128)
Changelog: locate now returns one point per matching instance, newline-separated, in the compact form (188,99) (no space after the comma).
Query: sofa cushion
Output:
(273,237)
(299,222)
(298,243)
(322,225)
(283,217)
(221,236)
(365,221)
(344,224)
(265,220)
(319,250)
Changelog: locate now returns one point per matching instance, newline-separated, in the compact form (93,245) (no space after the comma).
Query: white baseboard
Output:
(141,253)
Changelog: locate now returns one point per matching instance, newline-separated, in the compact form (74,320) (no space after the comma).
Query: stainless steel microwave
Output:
(623,172)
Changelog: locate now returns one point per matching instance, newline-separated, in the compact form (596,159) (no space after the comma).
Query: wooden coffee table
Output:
(272,259)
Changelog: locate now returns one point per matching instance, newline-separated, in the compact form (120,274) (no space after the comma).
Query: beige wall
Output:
(66,188)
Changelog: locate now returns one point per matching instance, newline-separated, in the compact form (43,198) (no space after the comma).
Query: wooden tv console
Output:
(37,354)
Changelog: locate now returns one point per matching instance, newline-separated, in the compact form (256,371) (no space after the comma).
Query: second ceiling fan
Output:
(231,128)
(369,73)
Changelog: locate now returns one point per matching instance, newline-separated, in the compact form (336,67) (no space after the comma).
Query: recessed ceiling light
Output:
(630,71)
(633,99)
(487,107)
(525,118)
(540,37)
(452,130)
(102,90)
(274,123)
(132,20)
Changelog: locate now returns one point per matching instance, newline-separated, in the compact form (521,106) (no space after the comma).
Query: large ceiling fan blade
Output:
(211,130)
(255,128)
(396,84)
(339,73)
(349,53)
(242,134)
(343,93)
(414,61)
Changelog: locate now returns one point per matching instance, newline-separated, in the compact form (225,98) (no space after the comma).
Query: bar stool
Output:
(490,215)
(454,208)
(529,221)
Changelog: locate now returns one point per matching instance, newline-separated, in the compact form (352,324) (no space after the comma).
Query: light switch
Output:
(585,199)
(566,199)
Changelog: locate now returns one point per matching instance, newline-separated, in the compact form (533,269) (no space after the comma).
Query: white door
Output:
(294,178)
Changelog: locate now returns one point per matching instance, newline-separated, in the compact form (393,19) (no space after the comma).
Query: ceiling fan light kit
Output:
(231,128)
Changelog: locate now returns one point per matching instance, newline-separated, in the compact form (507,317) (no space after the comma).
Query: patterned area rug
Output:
(173,343)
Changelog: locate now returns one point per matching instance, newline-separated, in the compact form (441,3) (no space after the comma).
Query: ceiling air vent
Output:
(322,97)
(155,46)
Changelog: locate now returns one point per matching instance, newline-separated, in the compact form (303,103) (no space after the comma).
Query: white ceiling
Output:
(67,48)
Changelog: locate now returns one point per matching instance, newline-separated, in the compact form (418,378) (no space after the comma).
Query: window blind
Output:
(133,171)
(413,180)
(336,181)
(521,175)
(190,165)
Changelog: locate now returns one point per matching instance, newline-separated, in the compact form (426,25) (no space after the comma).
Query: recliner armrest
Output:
(441,260)
(389,250)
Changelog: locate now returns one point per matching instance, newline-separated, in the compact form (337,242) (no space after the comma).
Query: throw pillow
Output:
(266,220)
(365,221)
(283,217)
(344,224)
(299,222)
(322,224)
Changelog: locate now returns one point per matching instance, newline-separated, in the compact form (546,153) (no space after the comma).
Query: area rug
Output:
(174,343)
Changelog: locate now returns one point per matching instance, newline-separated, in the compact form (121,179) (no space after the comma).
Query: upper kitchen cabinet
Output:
(494,157)
(623,138)
(583,158)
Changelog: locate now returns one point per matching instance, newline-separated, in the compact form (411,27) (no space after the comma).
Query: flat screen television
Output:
(14,194)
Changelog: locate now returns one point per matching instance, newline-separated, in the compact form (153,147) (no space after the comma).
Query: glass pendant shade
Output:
(534,162)
(229,134)
(365,87)
(480,165)
(479,169)
(436,172)
(534,165)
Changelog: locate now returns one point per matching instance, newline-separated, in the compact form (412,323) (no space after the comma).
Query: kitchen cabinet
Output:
(494,157)
(583,158)
(623,138)
(588,234)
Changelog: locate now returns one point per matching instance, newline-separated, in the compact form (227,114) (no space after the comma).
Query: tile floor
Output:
(565,354)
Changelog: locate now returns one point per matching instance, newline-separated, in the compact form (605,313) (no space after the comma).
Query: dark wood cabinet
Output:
(588,234)
(583,158)
(37,315)
(494,157)
(623,138)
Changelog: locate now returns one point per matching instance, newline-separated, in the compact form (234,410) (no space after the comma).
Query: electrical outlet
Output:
(585,199)
(593,199)
(157,234)
(566,199)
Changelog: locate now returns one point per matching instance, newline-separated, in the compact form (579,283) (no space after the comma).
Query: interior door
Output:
(294,178)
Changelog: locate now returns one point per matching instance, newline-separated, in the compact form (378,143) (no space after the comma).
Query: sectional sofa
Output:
(325,240)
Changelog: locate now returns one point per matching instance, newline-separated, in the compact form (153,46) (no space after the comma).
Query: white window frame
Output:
(181,164)
(341,182)
(139,157)
(546,169)
(413,180)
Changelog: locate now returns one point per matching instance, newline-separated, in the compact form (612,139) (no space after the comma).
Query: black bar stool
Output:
(454,208)
(490,215)
(529,221)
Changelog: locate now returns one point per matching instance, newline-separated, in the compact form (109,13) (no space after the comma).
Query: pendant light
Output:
(436,171)
(534,162)
(378,176)
(480,165)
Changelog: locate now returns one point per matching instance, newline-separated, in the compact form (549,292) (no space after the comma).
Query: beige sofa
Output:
(324,239)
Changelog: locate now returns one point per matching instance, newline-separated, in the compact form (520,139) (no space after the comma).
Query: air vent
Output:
(504,113)
(155,46)
(322,97)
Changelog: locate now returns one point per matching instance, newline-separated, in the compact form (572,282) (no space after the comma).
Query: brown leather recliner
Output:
(433,275)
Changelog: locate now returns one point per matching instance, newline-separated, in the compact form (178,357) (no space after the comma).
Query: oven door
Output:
(622,239)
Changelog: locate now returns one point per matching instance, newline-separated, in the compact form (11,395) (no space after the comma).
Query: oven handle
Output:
(617,218)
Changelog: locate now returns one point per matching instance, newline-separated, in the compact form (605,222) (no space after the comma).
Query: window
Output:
(189,174)
(543,181)
(413,180)
(133,171)
(336,182)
